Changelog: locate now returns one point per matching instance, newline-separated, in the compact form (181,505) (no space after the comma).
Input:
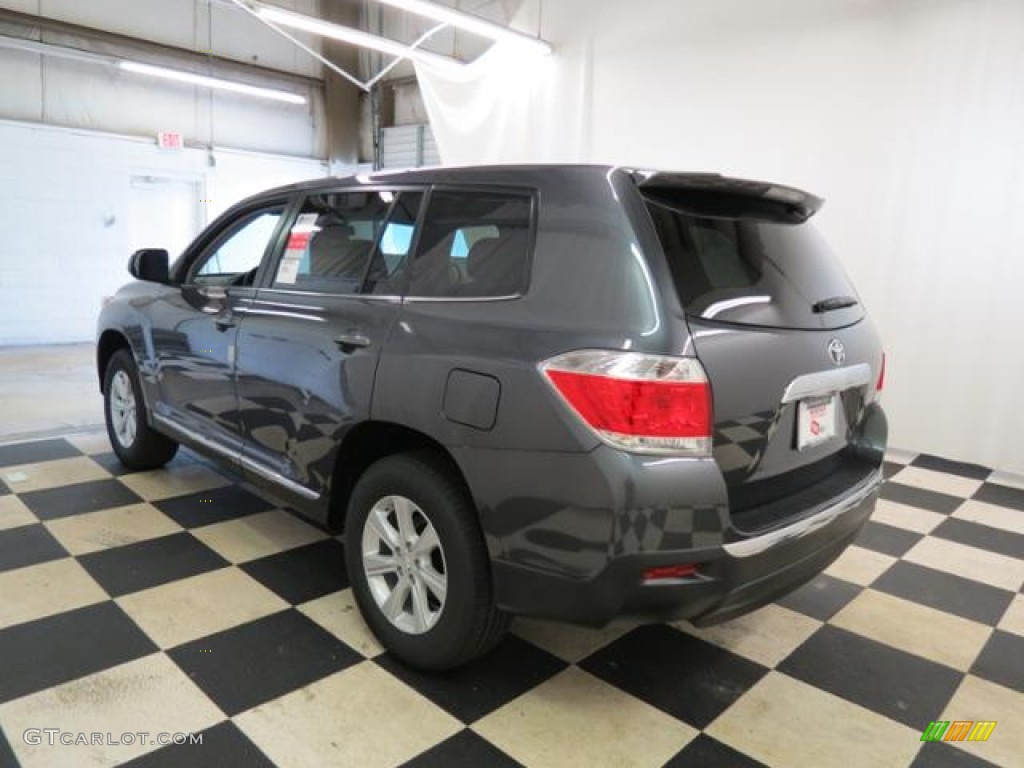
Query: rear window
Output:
(753,271)
(474,245)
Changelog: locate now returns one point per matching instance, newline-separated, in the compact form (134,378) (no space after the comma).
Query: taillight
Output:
(664,572)
(881,377)
(637,402)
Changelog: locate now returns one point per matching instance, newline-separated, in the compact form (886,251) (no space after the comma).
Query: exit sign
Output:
(170,140)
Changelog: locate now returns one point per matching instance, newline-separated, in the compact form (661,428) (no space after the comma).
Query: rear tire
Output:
(136,444)
(418,564)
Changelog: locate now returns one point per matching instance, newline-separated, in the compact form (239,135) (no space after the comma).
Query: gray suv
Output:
(572,392)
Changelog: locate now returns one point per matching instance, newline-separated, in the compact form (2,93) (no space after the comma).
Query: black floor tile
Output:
(706,751)
(222,744)
(963,469)
(44,653)
(28,545)
(678,673)
(1002,495)
(893,683)
(890,468)
(1002,660)
(112,464)
(78,499)
(887,539)
(821,598)
(479,688)
(150,563)
(304,573)
(920,497)
(262,660)
(982,537)
(938,754)
(463,750)
(7,758)
(31,453)
(945,592)
(216,506)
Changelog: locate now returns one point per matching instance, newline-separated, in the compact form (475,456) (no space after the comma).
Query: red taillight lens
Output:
(682,571)
(881,376)
(641,403)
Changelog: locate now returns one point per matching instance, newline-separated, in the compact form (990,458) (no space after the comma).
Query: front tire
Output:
(418,564)
(136,444)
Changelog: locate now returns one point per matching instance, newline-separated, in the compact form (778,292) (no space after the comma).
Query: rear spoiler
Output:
(709,194)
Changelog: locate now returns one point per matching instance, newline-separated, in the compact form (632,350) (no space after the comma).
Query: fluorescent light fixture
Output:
(470,23)
(211,82)
(350,35)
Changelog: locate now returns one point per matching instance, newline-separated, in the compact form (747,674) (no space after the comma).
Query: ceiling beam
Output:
(112,44)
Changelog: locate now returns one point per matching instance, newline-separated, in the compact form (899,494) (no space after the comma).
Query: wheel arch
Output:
(109,343)
(371,441)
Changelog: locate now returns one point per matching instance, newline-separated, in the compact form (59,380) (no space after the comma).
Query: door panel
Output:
(196,329)
(302,382)
(310,342)
(194,345)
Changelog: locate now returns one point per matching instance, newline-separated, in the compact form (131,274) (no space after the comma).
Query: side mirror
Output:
(151,265)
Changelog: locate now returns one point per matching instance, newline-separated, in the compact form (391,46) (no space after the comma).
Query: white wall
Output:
(66,218)
(907,115)
(101,97)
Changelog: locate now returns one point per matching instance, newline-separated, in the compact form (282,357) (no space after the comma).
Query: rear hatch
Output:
(779,328)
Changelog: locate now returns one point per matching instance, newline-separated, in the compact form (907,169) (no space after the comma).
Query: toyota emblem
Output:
(837,351)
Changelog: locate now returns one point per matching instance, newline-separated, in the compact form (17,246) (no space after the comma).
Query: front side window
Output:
(236,256)
(474,244)
(332,241)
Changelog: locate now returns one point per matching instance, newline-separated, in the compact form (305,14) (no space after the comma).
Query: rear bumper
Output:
(733,578)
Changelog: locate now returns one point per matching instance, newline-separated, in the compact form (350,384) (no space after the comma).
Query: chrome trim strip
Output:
(758,544)
(250,464)
(278,479)
(461,299)
(827,382)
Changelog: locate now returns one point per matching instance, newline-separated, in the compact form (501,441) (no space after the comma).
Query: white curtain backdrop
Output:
(907,115)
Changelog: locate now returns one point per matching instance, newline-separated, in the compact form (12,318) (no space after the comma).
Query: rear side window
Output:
(387,266)
(332,240)
(474,245)
(752,271)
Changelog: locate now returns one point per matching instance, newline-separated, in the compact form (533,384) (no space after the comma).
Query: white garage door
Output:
(408,146)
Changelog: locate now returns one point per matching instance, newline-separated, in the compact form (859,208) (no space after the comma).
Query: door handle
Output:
(351,341)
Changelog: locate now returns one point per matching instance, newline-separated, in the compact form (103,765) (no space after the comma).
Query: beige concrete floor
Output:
(48,390)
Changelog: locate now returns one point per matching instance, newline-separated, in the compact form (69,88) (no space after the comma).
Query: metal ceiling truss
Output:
(277,18)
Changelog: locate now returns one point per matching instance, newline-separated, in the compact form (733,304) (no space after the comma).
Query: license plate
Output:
(815,421)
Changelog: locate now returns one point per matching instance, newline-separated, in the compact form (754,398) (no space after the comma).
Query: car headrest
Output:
(479,255)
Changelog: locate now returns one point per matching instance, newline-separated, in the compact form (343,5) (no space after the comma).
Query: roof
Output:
(707,192)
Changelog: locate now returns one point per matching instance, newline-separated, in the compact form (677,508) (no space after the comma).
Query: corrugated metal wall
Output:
(408,146)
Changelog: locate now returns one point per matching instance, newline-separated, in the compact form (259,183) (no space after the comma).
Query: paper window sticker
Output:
(299,241)
(288,271)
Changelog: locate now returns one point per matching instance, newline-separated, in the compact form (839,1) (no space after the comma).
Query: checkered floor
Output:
(175,601)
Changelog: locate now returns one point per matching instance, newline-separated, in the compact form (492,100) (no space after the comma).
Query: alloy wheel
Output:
(122,408)
(404,564)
